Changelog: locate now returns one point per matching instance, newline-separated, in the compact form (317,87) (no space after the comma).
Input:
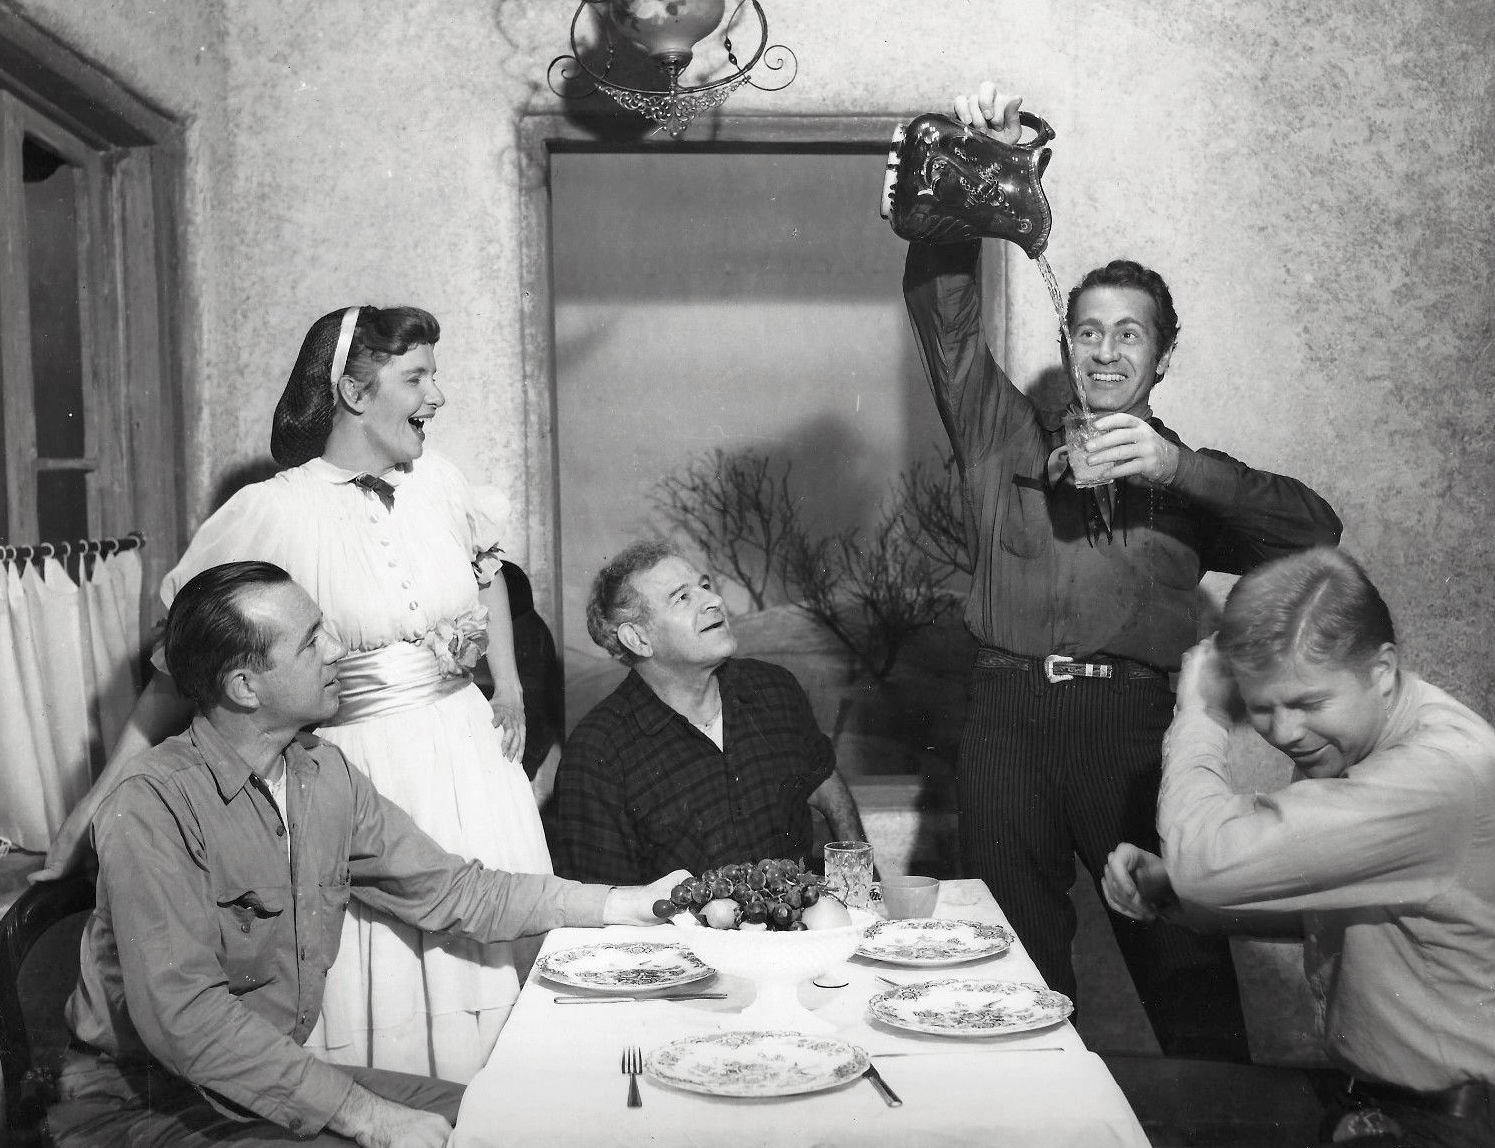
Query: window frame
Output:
(24,463)
(135,352)
(539,136)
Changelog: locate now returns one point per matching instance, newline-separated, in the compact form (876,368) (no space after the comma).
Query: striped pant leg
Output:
(1048,771)
(1013,831)
(1185,980)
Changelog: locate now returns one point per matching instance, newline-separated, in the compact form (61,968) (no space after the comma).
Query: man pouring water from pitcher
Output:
(1084,597)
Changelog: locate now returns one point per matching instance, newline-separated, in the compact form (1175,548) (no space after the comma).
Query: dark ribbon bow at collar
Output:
(376,485)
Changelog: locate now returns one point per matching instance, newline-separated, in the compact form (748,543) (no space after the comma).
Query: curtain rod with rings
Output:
(100,546)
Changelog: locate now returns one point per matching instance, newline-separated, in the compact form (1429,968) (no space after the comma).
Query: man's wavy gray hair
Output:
(615,600)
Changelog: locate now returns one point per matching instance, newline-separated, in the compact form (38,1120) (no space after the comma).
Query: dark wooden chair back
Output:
(39,940)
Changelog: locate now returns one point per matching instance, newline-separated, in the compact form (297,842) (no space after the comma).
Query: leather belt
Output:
(1469,1101)
(1061,667)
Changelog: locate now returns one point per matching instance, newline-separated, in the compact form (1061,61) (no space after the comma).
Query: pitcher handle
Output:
(1043,132)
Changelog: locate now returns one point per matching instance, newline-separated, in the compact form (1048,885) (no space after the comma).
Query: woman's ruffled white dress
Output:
(397,998)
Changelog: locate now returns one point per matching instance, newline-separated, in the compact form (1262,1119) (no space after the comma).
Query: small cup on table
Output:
(908,897)
(848,872)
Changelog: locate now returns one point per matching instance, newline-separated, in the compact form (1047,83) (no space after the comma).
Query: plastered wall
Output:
(1312,178)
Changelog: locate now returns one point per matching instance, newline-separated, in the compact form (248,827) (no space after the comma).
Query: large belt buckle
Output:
(1054,671)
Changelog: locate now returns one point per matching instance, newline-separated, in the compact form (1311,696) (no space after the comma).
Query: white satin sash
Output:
(400,676)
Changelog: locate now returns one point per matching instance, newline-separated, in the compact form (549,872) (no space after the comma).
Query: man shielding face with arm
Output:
(1384,845)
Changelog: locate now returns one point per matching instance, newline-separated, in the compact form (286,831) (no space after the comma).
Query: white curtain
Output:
(68,679)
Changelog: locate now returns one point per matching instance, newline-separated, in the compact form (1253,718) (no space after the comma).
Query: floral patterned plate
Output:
(624,966)
(922,941)
(756,1063)
(970,1007)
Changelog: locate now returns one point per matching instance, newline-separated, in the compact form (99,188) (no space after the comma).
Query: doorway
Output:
(737,294)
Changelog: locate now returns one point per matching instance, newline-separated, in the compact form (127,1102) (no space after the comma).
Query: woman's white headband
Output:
(344,343)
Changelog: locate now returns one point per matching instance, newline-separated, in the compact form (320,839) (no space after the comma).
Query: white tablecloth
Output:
(554,1076)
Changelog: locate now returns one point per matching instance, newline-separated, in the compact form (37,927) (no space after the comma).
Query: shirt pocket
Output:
(1025,524)
(792,801)
(325,930)
(665,828)
(1170,541)
(250,921)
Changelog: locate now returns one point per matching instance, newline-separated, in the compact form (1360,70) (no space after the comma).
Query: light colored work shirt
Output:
(209,945)
(1392,866)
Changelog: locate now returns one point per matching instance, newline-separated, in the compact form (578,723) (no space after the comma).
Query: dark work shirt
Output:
(209,948)
(642,790)
(1049,577)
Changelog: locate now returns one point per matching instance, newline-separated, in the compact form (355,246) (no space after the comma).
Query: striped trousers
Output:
(1051,771)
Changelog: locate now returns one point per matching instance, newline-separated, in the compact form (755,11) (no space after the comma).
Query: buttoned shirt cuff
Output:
(582,905)
(322,1091)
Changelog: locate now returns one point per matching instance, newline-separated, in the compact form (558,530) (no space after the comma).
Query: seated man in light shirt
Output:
(226,863)
(1384,844)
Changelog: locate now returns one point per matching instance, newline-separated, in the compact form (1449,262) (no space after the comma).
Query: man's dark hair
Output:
(615,600)
(1317,605)
(207,634)
(1125,273)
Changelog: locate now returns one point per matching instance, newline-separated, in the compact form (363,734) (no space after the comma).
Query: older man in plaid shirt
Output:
(698,759)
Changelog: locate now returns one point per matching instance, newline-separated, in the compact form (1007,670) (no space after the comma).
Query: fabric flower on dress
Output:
(460,644)
(486,565)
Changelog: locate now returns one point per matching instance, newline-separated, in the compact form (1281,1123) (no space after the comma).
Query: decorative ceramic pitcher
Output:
(947,183)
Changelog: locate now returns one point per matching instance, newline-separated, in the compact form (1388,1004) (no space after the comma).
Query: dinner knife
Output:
(889,1096)
(626,1000)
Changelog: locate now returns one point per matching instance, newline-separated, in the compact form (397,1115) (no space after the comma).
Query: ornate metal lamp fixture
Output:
(669,31)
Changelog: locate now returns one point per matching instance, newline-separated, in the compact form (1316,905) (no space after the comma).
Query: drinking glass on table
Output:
(848,872)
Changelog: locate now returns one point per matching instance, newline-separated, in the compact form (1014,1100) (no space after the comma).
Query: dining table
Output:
(554,1076)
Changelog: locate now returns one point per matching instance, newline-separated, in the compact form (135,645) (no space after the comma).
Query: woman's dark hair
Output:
(1125,273)
(303,417)
(1317,605)
(207,635)
(615,600)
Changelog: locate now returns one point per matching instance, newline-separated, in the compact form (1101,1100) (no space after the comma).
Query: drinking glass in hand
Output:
(1079,429)
(848,872)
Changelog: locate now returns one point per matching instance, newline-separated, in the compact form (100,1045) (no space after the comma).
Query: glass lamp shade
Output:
(666,29)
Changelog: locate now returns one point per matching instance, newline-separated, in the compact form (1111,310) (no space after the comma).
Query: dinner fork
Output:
(633,1064)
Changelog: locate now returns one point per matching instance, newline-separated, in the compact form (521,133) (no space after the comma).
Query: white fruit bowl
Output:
(776,963)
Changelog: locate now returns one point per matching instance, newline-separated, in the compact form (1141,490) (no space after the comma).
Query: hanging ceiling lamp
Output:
(669,33)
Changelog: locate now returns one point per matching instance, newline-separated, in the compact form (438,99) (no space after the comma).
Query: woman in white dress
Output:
(387,539)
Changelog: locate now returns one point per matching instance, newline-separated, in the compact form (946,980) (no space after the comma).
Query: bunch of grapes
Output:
(767,894)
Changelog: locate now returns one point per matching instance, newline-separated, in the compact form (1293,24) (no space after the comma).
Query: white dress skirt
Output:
(397,998)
